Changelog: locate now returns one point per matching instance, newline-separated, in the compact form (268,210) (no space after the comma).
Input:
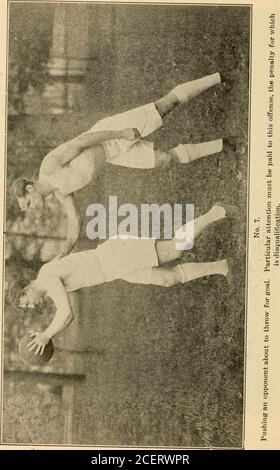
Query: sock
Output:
(189,152)
(183,276)
(218,212)
(188,90)
(190,271)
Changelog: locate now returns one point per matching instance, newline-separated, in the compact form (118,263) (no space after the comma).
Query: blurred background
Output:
(140,365)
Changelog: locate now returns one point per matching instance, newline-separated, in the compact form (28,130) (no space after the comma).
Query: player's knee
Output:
(169,278)
(166,104)
(162,159)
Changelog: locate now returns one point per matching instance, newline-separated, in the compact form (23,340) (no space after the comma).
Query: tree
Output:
(29,46)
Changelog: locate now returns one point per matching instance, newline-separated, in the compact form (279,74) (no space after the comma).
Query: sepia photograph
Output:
(126,183)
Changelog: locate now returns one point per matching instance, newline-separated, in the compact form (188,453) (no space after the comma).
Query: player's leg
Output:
(142,154)
(180,274)
(148,118)
(167,250)
(186,153)
(185,272)
(184,92)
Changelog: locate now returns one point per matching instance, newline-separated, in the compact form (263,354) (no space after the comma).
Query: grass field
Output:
(166,366)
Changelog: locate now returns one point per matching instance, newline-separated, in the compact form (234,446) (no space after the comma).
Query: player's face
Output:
(30,298)
(32,200)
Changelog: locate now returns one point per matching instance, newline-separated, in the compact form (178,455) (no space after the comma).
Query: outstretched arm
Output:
(64,313)
(64,153)
(63,316)
(73,222)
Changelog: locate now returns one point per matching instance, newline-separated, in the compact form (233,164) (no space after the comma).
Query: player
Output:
(135,260)
(117,140)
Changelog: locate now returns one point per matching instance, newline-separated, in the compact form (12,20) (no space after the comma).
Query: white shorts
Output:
(131,154)
(130,259)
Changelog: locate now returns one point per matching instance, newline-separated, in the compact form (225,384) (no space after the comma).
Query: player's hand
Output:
(131,134)
(38,342)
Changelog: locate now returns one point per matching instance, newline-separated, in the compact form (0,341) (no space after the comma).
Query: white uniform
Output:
(81,171)
(124,153)
(129,259)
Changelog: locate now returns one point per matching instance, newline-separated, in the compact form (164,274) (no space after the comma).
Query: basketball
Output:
(29,357)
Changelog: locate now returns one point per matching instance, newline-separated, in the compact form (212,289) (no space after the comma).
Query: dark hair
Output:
(16,289)
(19,186)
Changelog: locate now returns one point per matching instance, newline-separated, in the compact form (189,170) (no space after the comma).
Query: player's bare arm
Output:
(63,316)
(73,222)
(66,152)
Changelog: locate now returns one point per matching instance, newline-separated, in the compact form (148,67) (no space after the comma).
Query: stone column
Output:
(69,58)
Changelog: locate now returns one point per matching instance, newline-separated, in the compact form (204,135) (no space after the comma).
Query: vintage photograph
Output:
(125,224)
